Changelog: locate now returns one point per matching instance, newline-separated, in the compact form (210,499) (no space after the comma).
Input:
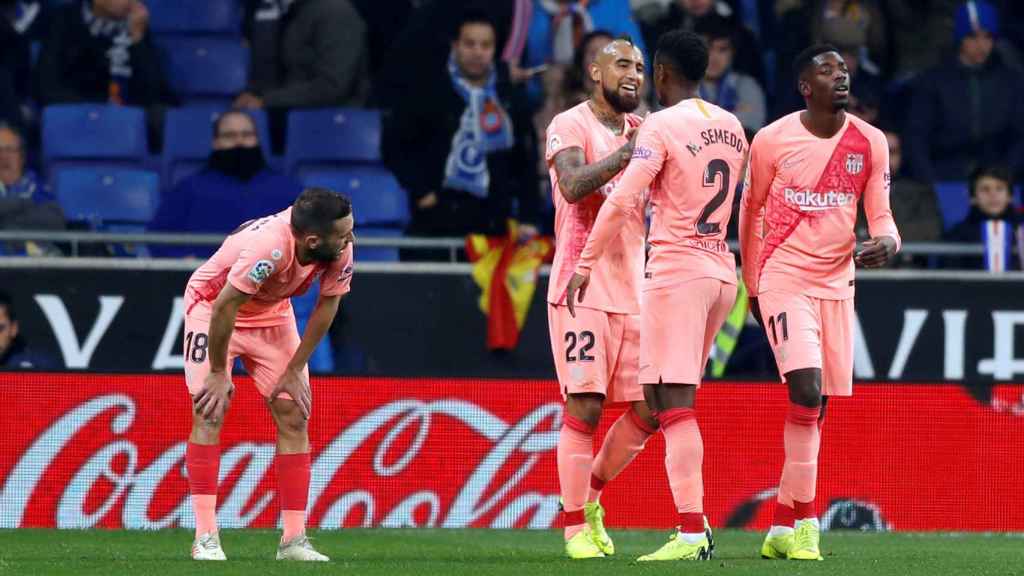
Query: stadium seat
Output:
(377,199)
(193,17)
(205,70)
(105,196)
(330,137)
(376,253)
(188,133)
(322,360)
(954,202)
(77,133)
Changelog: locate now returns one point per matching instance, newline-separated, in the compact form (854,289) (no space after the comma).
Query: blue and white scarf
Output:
(998,237)
(119,57)
(485,127)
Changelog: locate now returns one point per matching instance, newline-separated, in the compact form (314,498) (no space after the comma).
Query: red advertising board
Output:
(89,450)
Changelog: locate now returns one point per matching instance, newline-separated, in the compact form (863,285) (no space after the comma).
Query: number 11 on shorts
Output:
(782,325)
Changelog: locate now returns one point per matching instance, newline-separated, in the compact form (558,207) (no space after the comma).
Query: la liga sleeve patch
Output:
(261,270)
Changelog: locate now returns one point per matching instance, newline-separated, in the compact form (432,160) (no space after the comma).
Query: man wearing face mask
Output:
(236,184)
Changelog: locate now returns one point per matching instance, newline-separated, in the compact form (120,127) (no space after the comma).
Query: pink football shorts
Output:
(596,352)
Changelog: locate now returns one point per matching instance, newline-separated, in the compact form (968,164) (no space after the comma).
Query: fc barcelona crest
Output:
(854,164)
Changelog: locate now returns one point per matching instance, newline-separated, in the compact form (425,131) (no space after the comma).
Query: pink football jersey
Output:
(259,259)
(691,155)
(615,283)
(799,206)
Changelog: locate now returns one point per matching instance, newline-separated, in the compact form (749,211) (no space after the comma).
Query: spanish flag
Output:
(506,272)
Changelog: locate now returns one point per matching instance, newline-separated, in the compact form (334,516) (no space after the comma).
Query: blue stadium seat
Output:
(76,133)
(322,360)
(954,202)
(188,133)
(105,195)
(376,253)
(205,70)
(331,137)
(192,17)
(377,199)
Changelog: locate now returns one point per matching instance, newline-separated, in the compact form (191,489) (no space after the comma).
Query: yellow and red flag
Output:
(506,270)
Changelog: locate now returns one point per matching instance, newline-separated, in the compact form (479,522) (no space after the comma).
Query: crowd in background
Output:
(467,88)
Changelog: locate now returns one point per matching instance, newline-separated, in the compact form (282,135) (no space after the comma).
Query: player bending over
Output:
(237,306)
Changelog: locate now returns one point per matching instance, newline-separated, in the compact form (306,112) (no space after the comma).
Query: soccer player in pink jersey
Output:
(237,306)
(596,352)
(808,172)
(691,155)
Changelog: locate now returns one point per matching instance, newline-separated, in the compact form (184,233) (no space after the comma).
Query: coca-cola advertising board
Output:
(90,450)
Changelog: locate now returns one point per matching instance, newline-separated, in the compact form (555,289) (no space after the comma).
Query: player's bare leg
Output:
(292,463)
(202,461)
(795,530)
(684,457)
(575,463)
(625,439)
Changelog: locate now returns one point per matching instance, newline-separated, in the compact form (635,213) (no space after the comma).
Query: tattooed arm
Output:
(577,179)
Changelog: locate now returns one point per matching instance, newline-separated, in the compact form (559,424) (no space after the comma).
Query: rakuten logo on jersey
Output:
(809,201)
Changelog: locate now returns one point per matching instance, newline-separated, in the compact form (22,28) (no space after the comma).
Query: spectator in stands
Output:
(991,206)
(100,51)
(25,203)
(924,35)
(558,27)
(567,87)
(865,81)
(14,351)
(725,87)
(968,112)
(236,185)
(464,148)
(21,23)
(914,205)
(689,14)
(577,83)
(423,45)
(321,55)
(805,22)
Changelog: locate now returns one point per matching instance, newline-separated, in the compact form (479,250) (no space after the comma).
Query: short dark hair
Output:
(715,29)
(471,16)
(997,171)
(806,57)
(574,76)
(316,209)
(231,112)
(685,52)
(8,305)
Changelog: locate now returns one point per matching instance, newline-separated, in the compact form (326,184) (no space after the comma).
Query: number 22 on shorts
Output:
(585,340)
